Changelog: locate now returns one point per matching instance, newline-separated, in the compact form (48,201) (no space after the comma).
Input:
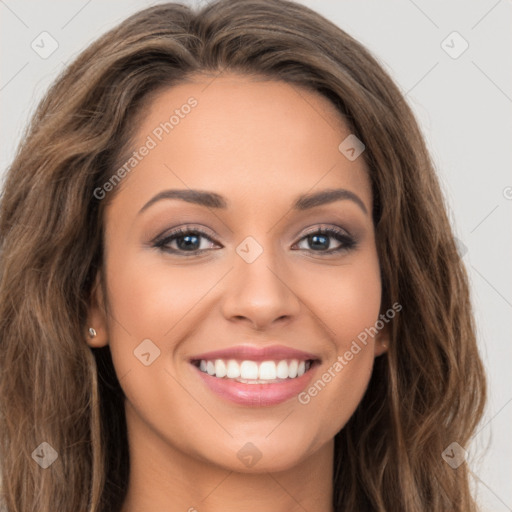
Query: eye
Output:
(319,240)
(184,240)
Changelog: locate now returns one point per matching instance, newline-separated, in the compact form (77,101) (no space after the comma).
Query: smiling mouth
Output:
(255,372)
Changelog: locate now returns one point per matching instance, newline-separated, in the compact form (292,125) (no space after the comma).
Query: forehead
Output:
(243,136)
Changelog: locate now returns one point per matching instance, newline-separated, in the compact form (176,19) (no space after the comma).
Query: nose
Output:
(260,293)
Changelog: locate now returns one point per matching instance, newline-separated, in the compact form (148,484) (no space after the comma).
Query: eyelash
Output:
(347,242)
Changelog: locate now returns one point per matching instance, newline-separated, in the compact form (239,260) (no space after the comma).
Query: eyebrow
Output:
(214,200)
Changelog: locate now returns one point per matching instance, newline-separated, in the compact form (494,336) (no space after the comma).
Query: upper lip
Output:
(252,353)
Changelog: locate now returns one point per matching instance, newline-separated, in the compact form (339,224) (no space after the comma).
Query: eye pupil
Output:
(188,244)
(324,241)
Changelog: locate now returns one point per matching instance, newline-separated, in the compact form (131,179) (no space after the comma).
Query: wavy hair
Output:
(429,389)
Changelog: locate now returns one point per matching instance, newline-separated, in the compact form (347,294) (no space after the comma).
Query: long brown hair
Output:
(425,393)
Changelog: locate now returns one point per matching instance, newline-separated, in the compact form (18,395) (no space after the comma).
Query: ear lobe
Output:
(96,333)
(382,341)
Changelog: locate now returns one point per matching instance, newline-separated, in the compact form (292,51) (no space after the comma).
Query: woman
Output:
(228,280)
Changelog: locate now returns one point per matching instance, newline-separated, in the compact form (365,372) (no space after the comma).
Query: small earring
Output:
(384,344)
(92,332)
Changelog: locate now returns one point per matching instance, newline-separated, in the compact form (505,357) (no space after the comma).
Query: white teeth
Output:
(292,368)
(254,372)
(220,368)
(267,370)
(210,368)
(233,371)
(282,370)
(249,370)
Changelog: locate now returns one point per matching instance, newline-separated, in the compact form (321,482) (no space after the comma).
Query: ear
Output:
(382,340)
(97,316)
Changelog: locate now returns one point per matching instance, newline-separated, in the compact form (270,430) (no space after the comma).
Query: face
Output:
(253,272)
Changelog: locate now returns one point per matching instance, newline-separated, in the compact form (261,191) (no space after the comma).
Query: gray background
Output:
(463,105)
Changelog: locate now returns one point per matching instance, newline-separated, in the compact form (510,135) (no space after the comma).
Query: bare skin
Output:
(259,144)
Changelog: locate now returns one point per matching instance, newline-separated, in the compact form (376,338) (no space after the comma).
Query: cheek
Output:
(149,299)
(153,301)
(348,303)
(347,298)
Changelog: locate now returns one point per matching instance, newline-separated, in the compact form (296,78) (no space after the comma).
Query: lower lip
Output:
(257,395)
